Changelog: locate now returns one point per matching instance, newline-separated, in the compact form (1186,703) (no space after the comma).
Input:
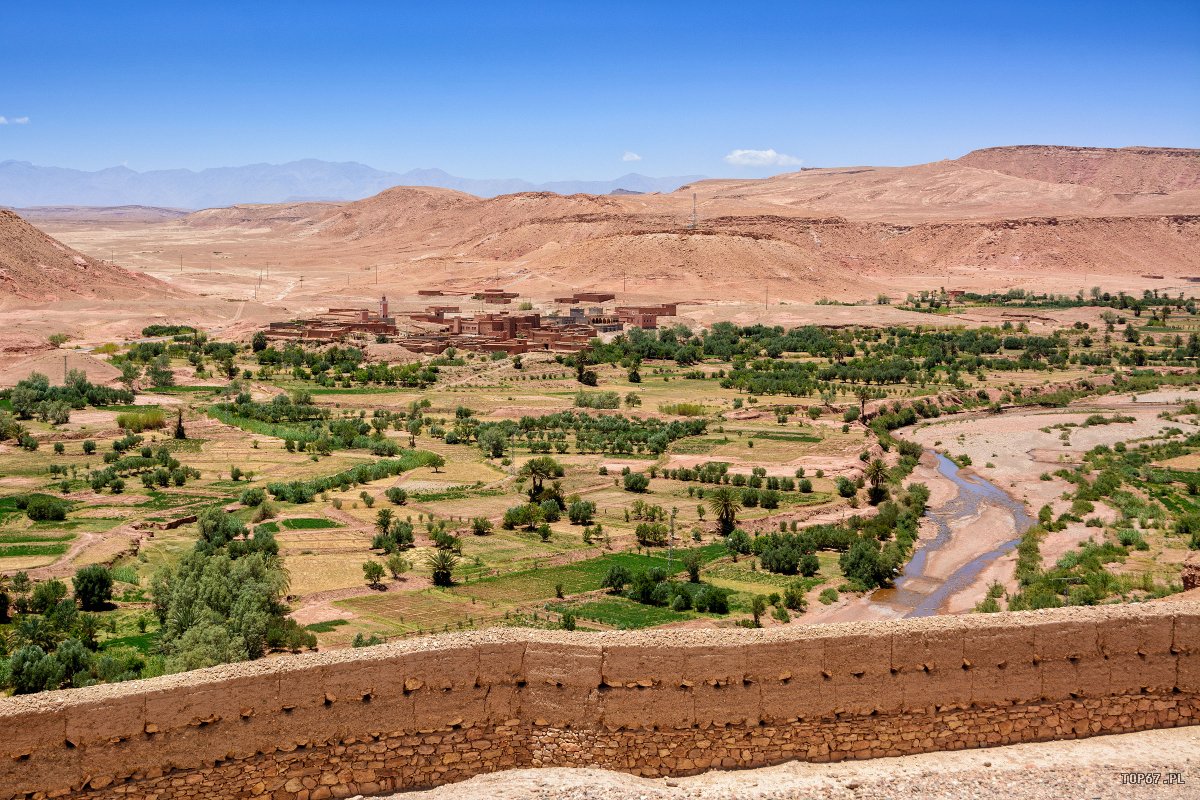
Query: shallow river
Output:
(915,595)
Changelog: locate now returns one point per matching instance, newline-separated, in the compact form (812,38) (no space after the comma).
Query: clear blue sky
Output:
(562,90)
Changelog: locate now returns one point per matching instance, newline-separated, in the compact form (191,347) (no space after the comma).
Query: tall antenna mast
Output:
(693,226)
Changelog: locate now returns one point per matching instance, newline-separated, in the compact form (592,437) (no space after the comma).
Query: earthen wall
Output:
(431,711)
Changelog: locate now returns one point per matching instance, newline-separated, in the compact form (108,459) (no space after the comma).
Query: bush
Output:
(651,534)
(396,495)
(481,526)
(581,512)
(43,507)
(597,400)
(138,421)
(398,565)
(527,515)
(373,572)
(253,497)
(93,586)
(636,482)
(550,511)
(616,579)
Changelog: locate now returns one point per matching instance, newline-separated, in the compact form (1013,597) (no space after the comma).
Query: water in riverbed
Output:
(915,595)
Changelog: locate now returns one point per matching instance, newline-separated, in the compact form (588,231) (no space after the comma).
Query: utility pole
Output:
(693,226)
(181,262)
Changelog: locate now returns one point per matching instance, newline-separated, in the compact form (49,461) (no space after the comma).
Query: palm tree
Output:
(538,470)
(724,503)
(877,473)
(441,565)
(863,395)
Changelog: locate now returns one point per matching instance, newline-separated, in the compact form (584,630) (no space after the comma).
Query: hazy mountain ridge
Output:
(23,184)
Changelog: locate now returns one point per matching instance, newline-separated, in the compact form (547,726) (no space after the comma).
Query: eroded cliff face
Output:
(437,710)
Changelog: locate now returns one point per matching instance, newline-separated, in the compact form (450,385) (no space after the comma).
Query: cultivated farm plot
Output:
(514,547)
(427,610)
(575,578)
(621,613)
(323,541)
(315,570)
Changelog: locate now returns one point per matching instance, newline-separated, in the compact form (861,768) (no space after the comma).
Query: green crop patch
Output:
(621,613)
(307,523)
(327,626)
(581,576)
(17,550)
(31,537)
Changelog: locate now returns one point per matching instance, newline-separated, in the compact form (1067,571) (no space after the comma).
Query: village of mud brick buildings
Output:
(574,321)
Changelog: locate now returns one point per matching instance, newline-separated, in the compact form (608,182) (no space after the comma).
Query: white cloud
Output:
(631,156)
(761,158)
(14,121)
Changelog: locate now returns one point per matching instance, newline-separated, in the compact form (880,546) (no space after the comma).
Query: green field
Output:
(622,613)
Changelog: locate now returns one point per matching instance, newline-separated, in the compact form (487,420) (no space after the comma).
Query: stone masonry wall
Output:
(432,711)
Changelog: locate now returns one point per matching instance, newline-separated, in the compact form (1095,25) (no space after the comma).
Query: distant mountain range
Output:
(26,184)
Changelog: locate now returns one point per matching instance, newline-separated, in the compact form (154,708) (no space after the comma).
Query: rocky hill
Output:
(1055,215)
(37,268)
(1128,170)
(816,232)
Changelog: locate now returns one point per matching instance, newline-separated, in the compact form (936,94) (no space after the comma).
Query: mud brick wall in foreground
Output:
(442,709)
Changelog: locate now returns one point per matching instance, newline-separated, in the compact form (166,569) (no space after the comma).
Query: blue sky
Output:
(560,90)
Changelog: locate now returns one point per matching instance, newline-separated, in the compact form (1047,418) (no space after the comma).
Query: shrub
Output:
(93,586)
(616,579)
(253,497)
(43,507)
(138,421)
(636,482)
(597,400)
(398,565)
(481,526)
(527,515)
(396,495)
(550,511)
(683,409)
(581,512)
(651,534)
(828,596)
(373,572)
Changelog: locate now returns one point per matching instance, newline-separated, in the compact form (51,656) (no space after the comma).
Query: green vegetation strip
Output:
(13,551)
(582,576)
(26,537)
(622,613)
